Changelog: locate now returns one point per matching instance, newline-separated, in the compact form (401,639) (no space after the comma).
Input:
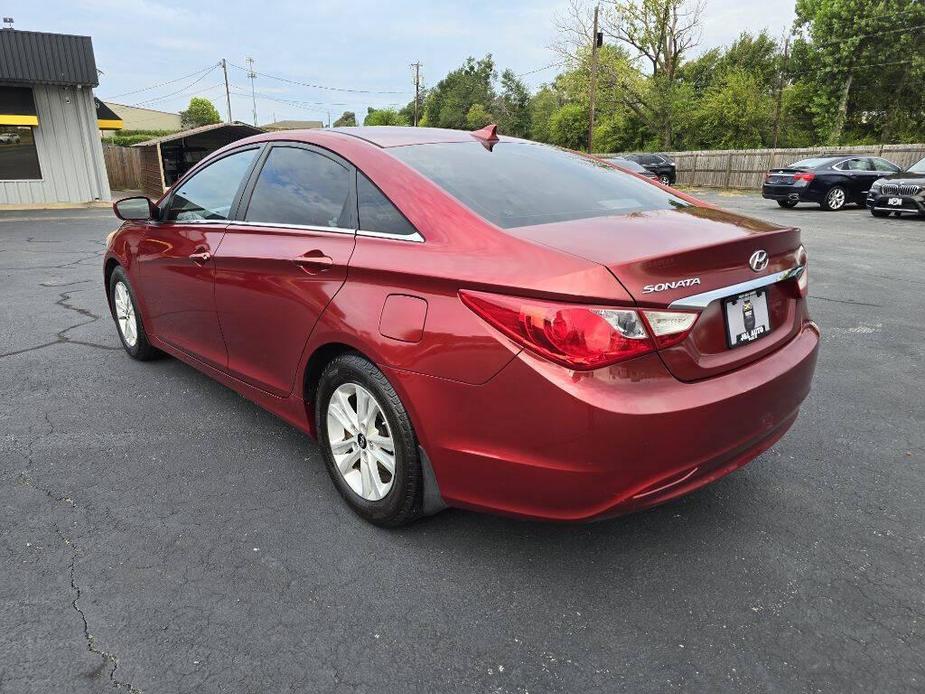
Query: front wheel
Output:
(835,199)
(664,180)
(367,442)
(124,310)
(787,203)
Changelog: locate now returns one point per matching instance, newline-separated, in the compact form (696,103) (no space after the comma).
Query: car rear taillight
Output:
(803,176)
(577,336)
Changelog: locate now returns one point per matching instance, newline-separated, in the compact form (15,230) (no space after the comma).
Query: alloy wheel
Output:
(361,441)
(125,314)
(836,198)
(665,180)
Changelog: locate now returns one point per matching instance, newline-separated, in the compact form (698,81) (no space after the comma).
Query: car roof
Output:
(400,136)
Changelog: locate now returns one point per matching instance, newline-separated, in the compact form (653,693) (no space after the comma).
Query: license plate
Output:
(747,317)
(895,201)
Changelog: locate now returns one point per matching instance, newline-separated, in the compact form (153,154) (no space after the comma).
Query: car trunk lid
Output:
(661,257)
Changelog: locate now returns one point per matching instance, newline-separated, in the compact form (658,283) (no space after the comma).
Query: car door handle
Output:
(314,261)
(201,257)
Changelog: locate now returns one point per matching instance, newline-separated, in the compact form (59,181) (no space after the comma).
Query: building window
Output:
(19,160)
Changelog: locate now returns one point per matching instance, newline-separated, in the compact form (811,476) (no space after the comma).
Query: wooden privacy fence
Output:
(745,168)
(123,165)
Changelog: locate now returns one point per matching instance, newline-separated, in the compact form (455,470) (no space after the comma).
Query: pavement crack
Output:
(844,301)
(109,661)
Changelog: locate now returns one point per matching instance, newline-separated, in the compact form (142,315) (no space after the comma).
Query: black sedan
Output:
(900,193)
(831,181)
(659,164)
(633,166)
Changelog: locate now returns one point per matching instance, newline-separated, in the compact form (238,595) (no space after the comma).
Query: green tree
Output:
(568,127)
(512,106)
(383,116)
(542,106)
(735,113)
(478,117)
(845,51)
(347,119)
(200,111)
(447,104)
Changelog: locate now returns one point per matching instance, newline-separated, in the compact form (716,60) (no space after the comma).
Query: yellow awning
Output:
(14,119)
(109,124)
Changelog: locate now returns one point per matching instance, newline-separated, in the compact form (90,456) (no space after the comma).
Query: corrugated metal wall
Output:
(69,150)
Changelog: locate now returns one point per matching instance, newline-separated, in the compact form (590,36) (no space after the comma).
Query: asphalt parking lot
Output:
(161,534)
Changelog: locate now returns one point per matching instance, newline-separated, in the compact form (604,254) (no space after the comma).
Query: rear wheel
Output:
(835,199)
(368,443)
(787,203)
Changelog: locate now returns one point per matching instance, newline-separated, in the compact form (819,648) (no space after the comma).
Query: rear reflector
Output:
(577,336)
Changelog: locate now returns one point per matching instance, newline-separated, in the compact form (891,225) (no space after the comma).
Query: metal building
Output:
(50,149)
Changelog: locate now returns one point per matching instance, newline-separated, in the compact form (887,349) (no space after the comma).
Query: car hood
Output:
(903,176)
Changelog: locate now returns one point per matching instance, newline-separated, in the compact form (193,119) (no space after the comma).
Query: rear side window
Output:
(856,165)
(209,194)
(810,163)
(298,186)
(377,213)
(519,184)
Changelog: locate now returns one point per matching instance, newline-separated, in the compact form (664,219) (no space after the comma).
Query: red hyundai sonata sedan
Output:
(471,320)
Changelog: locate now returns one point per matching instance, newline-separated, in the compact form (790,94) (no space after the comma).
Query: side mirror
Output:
(136,209)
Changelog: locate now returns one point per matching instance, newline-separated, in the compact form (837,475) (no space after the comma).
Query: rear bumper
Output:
(798,193)
(544,442)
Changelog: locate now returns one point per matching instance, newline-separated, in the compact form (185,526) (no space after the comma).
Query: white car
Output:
(9,138)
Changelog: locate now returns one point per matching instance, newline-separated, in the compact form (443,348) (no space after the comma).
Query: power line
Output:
(183,89)
(545,67)
(320,86)
(163,84)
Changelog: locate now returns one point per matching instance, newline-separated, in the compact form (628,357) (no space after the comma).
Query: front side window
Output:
(520,184)
(210,193)
(884,165)
(377,213)
(298,186)
(19,160)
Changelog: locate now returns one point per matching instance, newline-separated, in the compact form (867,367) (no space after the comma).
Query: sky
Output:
(358,45)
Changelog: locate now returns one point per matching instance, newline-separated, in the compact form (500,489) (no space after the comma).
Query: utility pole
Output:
(417,89)
(227,91)
(598,39)
(252,75)
(780,91)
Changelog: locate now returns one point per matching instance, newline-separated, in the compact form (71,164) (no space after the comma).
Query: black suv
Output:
(831,180)
(899,193)
(659,164)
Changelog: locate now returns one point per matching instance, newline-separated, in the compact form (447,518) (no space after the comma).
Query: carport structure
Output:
(165,159)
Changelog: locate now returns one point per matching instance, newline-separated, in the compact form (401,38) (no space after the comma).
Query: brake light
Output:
(804,176)
(573,335)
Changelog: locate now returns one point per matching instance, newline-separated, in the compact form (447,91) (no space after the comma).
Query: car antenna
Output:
(488,136)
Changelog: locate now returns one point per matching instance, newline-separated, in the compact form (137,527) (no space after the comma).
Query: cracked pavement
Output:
(161,534)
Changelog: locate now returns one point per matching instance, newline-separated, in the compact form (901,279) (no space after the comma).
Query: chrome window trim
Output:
(413,238)
(701,301)
(302,227)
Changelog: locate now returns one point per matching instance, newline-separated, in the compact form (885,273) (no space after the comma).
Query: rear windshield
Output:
(811,163)
(519,184)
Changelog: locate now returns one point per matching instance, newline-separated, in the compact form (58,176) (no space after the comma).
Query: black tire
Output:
(142,350)
(787,203)
(880,213)
(402,503)
(835,199)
